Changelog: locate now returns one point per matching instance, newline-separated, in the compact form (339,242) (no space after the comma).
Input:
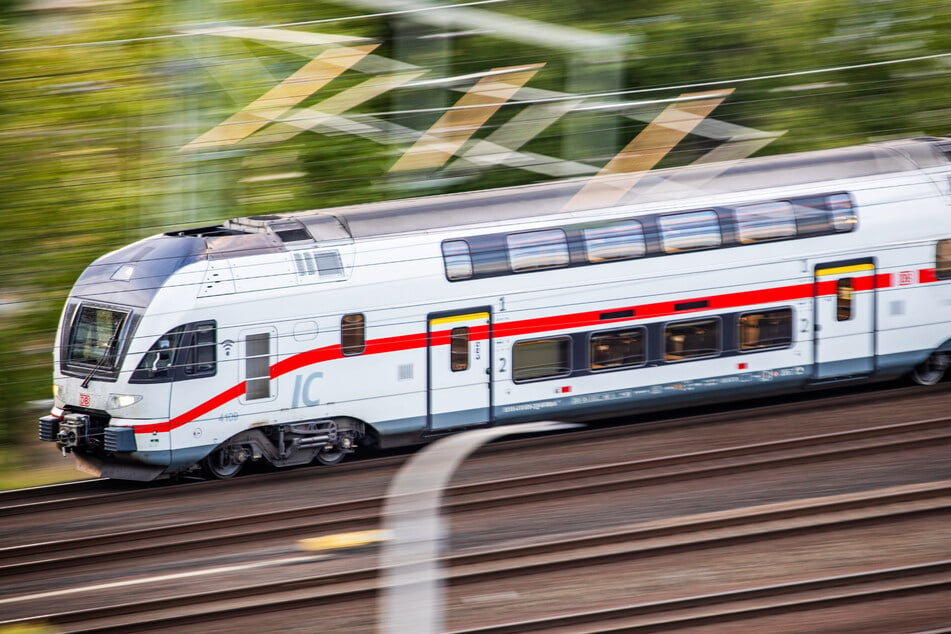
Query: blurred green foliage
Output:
(99,98)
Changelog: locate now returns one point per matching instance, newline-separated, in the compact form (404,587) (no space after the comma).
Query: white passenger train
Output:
(297,337)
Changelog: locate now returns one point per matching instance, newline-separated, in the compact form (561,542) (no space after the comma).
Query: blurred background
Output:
(122,119)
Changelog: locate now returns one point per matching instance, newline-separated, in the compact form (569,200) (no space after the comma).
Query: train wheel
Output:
(931,371)
(330,457)
(222,463)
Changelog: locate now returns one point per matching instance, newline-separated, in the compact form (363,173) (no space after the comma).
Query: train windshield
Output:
(94,340)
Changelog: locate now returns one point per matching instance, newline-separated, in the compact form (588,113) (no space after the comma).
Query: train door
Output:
(845,319)
(459,369)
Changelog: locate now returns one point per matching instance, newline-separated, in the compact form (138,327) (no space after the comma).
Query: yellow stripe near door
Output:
(839,270)
(457,318)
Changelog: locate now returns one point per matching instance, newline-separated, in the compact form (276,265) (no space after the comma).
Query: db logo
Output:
(906,278)
(84,400)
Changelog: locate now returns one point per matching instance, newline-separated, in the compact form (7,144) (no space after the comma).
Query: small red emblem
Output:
(84,400)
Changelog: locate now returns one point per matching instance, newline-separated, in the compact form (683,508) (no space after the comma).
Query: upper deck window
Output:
(843,212)
(536,250)
(616,241)
(765,221)
(834,213)
(457,259)
(689,231)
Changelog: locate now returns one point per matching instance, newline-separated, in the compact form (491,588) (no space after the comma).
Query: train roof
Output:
(135,273)
(524,202)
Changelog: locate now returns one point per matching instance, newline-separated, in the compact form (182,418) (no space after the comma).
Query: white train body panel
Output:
(366,322)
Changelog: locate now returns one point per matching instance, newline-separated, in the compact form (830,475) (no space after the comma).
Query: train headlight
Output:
(117,401)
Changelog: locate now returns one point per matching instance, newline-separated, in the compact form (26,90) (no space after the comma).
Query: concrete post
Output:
(412,573)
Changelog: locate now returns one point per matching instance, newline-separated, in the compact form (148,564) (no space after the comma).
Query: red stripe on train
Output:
(544,324)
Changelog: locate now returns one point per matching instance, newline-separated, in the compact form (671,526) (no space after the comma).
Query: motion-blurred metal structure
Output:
(412,571)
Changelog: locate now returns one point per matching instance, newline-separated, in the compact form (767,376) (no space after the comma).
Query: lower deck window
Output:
(616,349)
(692,339)
(943,259)
(766,329)
(541,359)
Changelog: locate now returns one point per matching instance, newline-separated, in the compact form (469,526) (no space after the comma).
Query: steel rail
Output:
(363,513)
(728,528)
(739,605)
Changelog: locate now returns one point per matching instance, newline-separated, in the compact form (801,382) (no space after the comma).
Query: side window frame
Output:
(353,334)
(457,260)
(677,346)
(521,252)
(942,259)
(747,344)
(844,294)
(614,353)
(614,241)
(562,354)
(257,366)
(459,349)
(671,233)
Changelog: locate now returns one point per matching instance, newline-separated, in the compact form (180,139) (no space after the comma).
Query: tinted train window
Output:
(352,334)
(616,349)
(943,260)
(825,214)
(257,364)
(199,349)
(541,359)
(692,339)
(843,304)
(185,352)
(95,337)
(689,231)
(766,329)
(843,212)
(457,259)
(765,221)
(459,349)
(617,241)
(537,250)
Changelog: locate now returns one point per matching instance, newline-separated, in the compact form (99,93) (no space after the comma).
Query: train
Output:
(297,338)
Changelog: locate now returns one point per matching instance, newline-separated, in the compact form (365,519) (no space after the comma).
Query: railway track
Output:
(346,583)
(742,607)
(344,590)
(363,513)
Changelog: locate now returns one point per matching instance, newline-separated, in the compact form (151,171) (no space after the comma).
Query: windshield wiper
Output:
(112,340)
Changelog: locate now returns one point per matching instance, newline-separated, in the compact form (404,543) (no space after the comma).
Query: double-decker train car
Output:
(298,337)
